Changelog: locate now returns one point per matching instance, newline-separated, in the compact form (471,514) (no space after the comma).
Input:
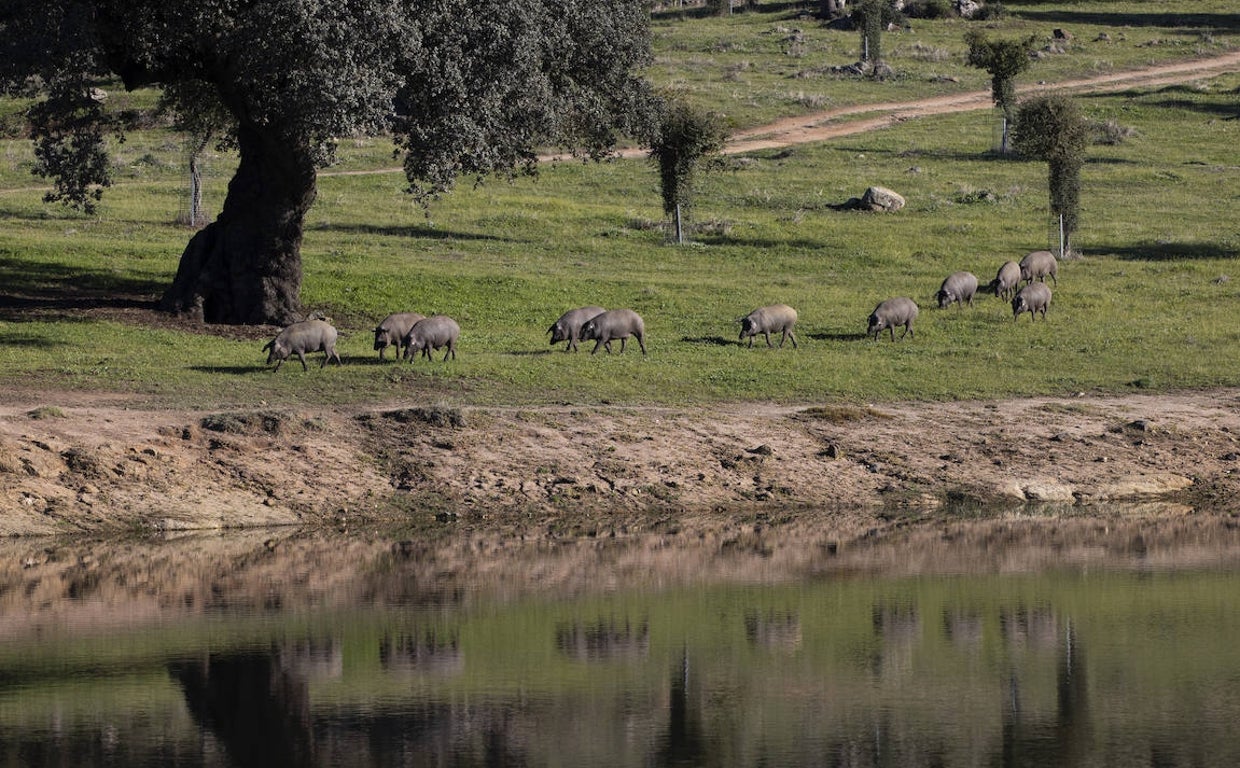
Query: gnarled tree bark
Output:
(245,267)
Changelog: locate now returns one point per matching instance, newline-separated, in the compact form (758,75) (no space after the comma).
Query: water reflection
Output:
(1061,737)
(683,742)
(421,654)
(252,705)
(603,640)
(1015,642)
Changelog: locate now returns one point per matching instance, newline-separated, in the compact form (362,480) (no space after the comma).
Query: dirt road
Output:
(821,126)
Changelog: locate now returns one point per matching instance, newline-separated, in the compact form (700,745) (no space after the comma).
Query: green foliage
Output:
(930,9)
(1004,60)
(69,129)
(1052,128)
(467,87)
(686,137)
(494,82)
(872,17)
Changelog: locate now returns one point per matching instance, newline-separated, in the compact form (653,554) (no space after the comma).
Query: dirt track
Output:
(102,466)
(821,126)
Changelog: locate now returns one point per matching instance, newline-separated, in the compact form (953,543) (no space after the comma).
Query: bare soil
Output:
(73,462)
(94,464)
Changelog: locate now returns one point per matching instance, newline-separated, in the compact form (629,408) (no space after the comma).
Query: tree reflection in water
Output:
(683,743)
(924,650)
(1062,740)
(257,709)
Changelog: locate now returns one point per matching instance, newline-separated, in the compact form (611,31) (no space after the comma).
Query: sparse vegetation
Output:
(46,412)
(842,414)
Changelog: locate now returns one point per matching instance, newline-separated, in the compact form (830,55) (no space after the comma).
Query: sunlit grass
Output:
(1151,304)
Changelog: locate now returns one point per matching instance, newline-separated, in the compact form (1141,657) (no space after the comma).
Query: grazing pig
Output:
(892,312)
(568,327)
(1033,298)
(393,330)
(300,338)
(1005,282)
(777,318)
(1037,265)
(958,288)
(616,324)
(430,334)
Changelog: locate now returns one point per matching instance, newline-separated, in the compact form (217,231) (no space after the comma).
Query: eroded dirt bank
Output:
(75,464)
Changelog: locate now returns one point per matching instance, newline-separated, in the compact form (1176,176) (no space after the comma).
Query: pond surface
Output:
(1010,642)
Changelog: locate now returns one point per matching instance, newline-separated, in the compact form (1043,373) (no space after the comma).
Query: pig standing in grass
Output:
(430,334)
(1037,265)
(393,330)
(957,289)
(616,324)
(1033,298)
(777,318)
(300,338)
(568,327)
(892,312)
(1006,280)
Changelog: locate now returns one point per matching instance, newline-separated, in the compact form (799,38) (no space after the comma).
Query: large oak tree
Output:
(466,87)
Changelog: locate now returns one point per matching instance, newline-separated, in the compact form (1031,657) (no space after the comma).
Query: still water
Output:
(1000,642)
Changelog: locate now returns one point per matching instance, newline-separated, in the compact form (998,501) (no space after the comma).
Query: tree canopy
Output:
(1052,128)
(465,88)
(684,137)
(1004,60)
(872,17)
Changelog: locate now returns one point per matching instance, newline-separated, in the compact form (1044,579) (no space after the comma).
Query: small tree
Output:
(685,136)
(872,17)
(1004,60)
(197,112)
(1052,128)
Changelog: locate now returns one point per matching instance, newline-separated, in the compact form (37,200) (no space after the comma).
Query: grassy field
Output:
(1149,305)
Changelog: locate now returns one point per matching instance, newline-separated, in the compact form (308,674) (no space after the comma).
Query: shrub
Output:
(1110,132)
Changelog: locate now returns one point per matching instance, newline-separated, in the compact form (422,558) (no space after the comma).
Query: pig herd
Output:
(960,287)
(413,334)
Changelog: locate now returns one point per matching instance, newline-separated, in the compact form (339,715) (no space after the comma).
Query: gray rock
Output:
(881,199)
(967,8)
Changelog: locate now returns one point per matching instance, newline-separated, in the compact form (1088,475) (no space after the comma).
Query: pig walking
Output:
(300,338)
(616,324)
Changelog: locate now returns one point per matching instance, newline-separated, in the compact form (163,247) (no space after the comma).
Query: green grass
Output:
(775,61)
(1145,307)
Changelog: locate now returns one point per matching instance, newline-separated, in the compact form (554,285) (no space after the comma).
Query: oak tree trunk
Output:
(245,267)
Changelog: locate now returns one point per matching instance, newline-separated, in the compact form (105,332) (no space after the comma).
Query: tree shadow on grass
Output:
(1217,109)
(839,336)
(412,231)
(32,288)
(31,342)
(1185,23)
(717,341)
(1221,105)
(232,370)
(1163,251)
(759,242)
(986,155)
